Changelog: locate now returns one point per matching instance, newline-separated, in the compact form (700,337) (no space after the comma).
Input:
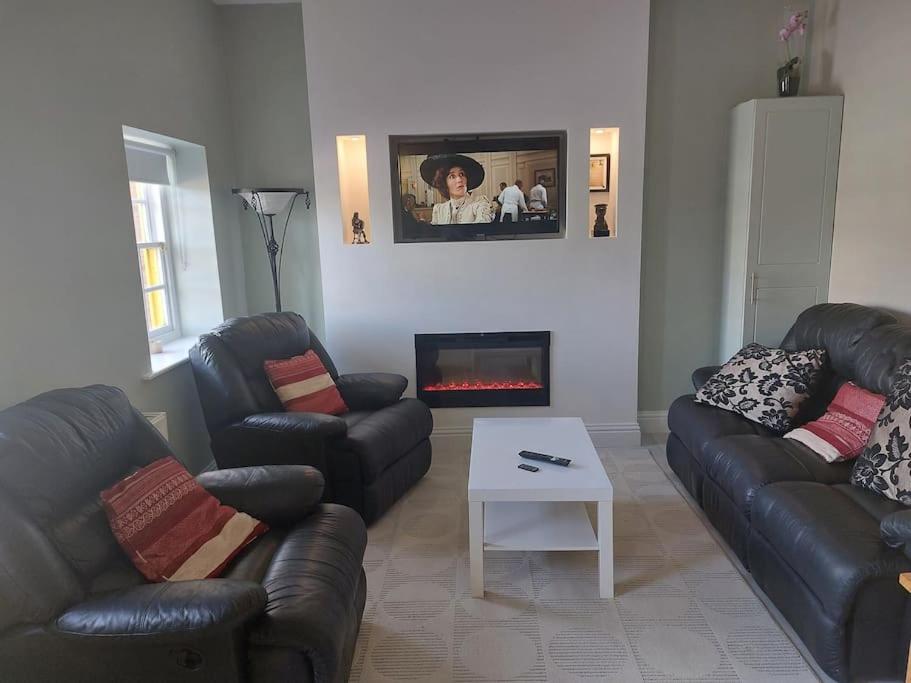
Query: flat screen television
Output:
(492,186)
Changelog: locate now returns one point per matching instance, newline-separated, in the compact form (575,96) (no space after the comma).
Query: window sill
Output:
(175,353)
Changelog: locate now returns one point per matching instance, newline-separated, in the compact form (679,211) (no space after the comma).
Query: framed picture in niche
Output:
(546,177)
(599,173)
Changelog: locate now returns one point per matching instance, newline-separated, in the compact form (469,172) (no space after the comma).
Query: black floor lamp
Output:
(267,203)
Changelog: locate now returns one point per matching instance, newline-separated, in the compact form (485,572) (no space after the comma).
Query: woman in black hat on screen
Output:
(455,176)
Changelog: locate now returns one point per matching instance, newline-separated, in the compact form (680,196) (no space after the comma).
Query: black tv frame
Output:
(482,231)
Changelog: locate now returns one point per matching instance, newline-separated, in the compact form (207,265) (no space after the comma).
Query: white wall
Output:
(863,51)
(70,302)
(408,67)
(263,48)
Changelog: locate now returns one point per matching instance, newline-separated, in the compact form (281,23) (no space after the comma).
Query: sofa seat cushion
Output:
(352,417)
(254,560)
(312,588)
(381,438)
(697,425)
(829,539)
(743,464)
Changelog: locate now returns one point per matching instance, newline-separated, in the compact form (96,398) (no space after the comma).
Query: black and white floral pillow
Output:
(765,385)
(885,464)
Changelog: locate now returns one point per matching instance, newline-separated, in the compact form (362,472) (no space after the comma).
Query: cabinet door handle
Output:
(753,288)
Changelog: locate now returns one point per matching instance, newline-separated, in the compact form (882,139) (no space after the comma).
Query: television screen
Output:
(454,188)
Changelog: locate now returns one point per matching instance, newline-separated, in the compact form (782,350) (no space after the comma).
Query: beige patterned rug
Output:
(682,612)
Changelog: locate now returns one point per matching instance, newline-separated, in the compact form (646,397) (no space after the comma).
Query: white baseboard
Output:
(607,435)
(451,437)
(615,434)
(653,421)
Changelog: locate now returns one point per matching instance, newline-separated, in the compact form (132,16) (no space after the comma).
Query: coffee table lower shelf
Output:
(539,526)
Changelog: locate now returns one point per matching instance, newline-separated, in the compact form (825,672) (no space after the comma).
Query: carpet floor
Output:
(682,611)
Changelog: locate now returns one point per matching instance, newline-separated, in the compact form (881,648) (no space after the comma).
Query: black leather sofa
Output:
(828,554)
(73,607)
(370,456)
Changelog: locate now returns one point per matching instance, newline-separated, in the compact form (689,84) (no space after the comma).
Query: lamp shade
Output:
(268,201)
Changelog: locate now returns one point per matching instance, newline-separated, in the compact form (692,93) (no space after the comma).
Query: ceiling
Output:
(255,2)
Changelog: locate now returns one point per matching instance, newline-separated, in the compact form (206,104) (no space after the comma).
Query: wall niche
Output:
(604,158)
(354,197)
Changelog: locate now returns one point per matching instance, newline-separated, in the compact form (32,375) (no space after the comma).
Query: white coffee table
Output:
(511,509)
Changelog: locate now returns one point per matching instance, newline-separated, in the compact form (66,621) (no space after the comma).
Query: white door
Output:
(792,212)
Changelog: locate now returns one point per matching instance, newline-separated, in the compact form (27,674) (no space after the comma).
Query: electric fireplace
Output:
(483,369)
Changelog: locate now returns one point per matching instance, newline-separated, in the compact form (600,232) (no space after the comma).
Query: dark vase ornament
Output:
(789,78)
(600,228)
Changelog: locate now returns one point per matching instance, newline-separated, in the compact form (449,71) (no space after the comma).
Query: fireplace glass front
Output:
(483,369)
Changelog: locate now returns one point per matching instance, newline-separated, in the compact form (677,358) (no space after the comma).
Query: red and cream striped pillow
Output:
(843,431)
(171,527)
(303,385)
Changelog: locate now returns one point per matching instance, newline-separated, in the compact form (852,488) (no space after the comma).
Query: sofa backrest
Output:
(228,364)
(58,451)
(865,345)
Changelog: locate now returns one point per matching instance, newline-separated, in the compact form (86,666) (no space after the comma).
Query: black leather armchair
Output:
(73,607)
(369,456)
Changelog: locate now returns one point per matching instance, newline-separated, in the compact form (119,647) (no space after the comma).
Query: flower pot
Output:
(788,80)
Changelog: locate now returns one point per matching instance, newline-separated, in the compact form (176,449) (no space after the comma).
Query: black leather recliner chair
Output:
(73,607)
(827,553)
(369,456)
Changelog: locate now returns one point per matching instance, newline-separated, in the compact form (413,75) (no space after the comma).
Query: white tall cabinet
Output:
(782,174)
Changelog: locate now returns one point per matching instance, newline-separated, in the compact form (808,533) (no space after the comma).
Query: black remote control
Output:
(528,468)
(543,457)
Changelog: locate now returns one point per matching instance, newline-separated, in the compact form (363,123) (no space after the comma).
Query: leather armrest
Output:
(702,375)
(166,612)
(371,390)
(895,530)
(279,495)
(300,424)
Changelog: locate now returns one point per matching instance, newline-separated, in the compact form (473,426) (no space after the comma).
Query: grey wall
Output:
(264,57)
(861,50)
(71,75)
(705,57)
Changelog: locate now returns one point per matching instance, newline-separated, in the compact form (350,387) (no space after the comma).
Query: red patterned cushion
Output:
(171,527)
(842,432)
(304,385)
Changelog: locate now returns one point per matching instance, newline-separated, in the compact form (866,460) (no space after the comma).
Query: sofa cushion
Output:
(842,432)
(741,465)
(885,464)
(381,438)
(171,527)
(697,425)
(765,385)
(829,539)
(303,385)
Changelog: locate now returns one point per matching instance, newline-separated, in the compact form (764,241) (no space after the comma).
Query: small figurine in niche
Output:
(357,225)
(600,229)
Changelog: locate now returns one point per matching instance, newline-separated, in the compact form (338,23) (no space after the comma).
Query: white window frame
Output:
(168,222)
